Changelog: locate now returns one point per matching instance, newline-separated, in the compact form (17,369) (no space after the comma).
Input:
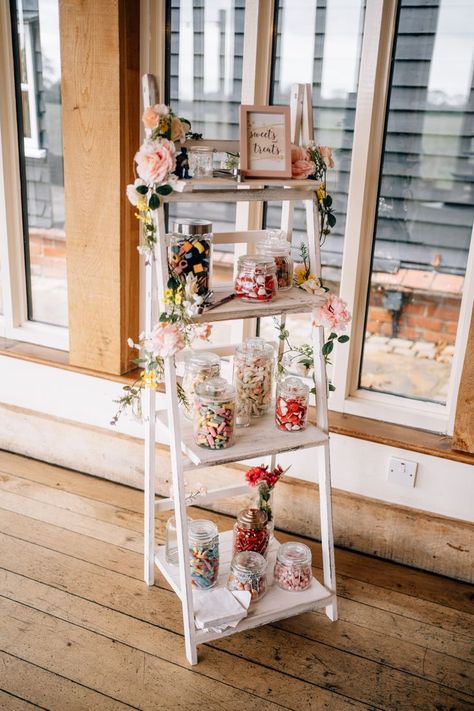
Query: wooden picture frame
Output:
(267,155)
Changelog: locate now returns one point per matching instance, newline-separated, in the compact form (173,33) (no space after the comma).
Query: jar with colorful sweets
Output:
(277,246)
(203,538)
(291,410)
(189,252)
(248,572)
(251,532)
(214,414)
(256,278)
(254,363)
(293,567)
(198,367)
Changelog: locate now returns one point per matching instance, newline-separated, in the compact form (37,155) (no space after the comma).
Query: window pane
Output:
(426,203)
(38,45)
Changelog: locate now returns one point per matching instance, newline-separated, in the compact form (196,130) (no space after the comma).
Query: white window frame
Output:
(14,322)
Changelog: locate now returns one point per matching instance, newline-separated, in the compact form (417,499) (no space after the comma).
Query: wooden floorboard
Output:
(81,630)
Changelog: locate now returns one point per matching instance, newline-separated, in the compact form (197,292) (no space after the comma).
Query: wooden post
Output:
(101,105)
(463,438)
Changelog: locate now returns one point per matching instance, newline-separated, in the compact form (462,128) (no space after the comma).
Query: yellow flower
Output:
(149,379)
(168,298)
(178,298)
(299,273)
(142,204)
(321,193)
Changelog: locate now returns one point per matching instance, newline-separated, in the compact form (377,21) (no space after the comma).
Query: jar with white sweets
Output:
(254,365)
(293,567)
(248,572)
(198,367)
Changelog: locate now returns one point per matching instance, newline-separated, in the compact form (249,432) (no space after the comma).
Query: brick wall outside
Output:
(48,253)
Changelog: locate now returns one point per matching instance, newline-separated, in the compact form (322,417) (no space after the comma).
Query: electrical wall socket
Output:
(402,472)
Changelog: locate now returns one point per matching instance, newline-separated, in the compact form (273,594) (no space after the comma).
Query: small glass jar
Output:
(254,363)
(248,572)
(201,161)
(291,411)
(251,532)
(277,246)
(256,278)
(214,414)
(293,567)
(190,252)
(171,541)
(203,538)
(198,367)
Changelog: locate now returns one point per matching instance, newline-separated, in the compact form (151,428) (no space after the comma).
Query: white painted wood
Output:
(149,402)
(193,184)
(307,133)
(239,237)
(212,495)
(225,195)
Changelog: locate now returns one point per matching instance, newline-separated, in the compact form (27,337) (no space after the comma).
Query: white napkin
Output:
(217,609)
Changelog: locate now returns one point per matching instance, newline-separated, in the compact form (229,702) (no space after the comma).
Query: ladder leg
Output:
(149,488)
(327,538)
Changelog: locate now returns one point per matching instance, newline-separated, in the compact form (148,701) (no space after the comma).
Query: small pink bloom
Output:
(155,160)
(301,166)
(326,155)
(333,314)
(151,116)
(203,331)
(166,340)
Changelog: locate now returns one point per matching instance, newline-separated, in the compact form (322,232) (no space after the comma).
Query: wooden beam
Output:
(101,103)
(463,438)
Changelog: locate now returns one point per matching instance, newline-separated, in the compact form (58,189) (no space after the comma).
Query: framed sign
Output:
(265,147)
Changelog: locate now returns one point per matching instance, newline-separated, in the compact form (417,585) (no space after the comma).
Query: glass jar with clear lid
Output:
(254,364)
(190,253)
(251,532)
(256,278)
(198,367)
(293,567)
(171,541)
(201,160)
(248,572)
(277,246)
(291,410)
(214,414)
(203,538)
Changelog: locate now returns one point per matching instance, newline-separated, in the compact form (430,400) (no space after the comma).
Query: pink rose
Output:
(301,166)
(326,155)
(155,160)
(151,116)
(203,331)
(333,314)
(166,340)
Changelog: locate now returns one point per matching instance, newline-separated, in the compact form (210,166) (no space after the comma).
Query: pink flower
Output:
(166,340)
(301,166)
(151,116)
(203,331)
(326,155)
(155,160)
(333,314)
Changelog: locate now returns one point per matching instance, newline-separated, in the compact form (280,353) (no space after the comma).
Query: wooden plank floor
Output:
(80,630)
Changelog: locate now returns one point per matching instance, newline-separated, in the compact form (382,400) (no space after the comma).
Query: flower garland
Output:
(265,481)
(312,162)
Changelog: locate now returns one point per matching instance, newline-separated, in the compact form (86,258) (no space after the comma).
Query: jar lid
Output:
(275,244)
(254,347)
(252,518)
(200,529)
(250,260)
(190,226)
(294,553)
(249,562)
(202,359)
(293,387)
(201,149)
(216,388)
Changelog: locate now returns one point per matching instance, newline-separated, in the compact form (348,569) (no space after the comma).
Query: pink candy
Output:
(293,578)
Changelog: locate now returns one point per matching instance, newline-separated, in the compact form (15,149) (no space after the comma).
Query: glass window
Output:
(38,69)
(425,205)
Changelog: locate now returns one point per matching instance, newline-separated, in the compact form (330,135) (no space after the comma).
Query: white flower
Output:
(198,299)
(313,286)
(190,308)
(191,286)
(132,193)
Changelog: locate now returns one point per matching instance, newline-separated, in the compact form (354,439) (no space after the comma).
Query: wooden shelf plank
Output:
(260,439)
(293,301)
(233,192)
(187,186)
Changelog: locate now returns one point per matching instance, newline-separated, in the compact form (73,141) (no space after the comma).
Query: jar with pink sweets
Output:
(256,279)
(293,567)
(291,411)
(214,414)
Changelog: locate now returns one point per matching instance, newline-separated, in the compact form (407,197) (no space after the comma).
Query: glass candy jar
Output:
(201,161)
(248,572)
(291,411)
(214,414)
(203,538)
(293,567)
(189,252)
(256,278)
(198,367)
(278,247)
(251,532)
(253,374)
(171,541)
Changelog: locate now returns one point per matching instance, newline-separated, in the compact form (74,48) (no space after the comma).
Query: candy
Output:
(214,424)
(284,272)
(292,577)
(247,572)
(255,585)
(290,415)
(253,375)
(251,539)
(191,255)
(198,368)
(256,279)
(204,562)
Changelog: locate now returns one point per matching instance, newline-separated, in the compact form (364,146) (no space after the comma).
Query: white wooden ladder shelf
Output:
(261,438)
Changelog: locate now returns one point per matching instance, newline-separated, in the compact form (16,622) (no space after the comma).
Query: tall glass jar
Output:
(291,411)
(293,567)
(277,246)
(198,367)
(201,161)
(203,538)
(171,541)
(256,278)
(214,414)
(251,532)
(254,363)
(248,572)
(190,252)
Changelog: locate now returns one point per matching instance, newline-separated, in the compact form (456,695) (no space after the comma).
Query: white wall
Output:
(442,486)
